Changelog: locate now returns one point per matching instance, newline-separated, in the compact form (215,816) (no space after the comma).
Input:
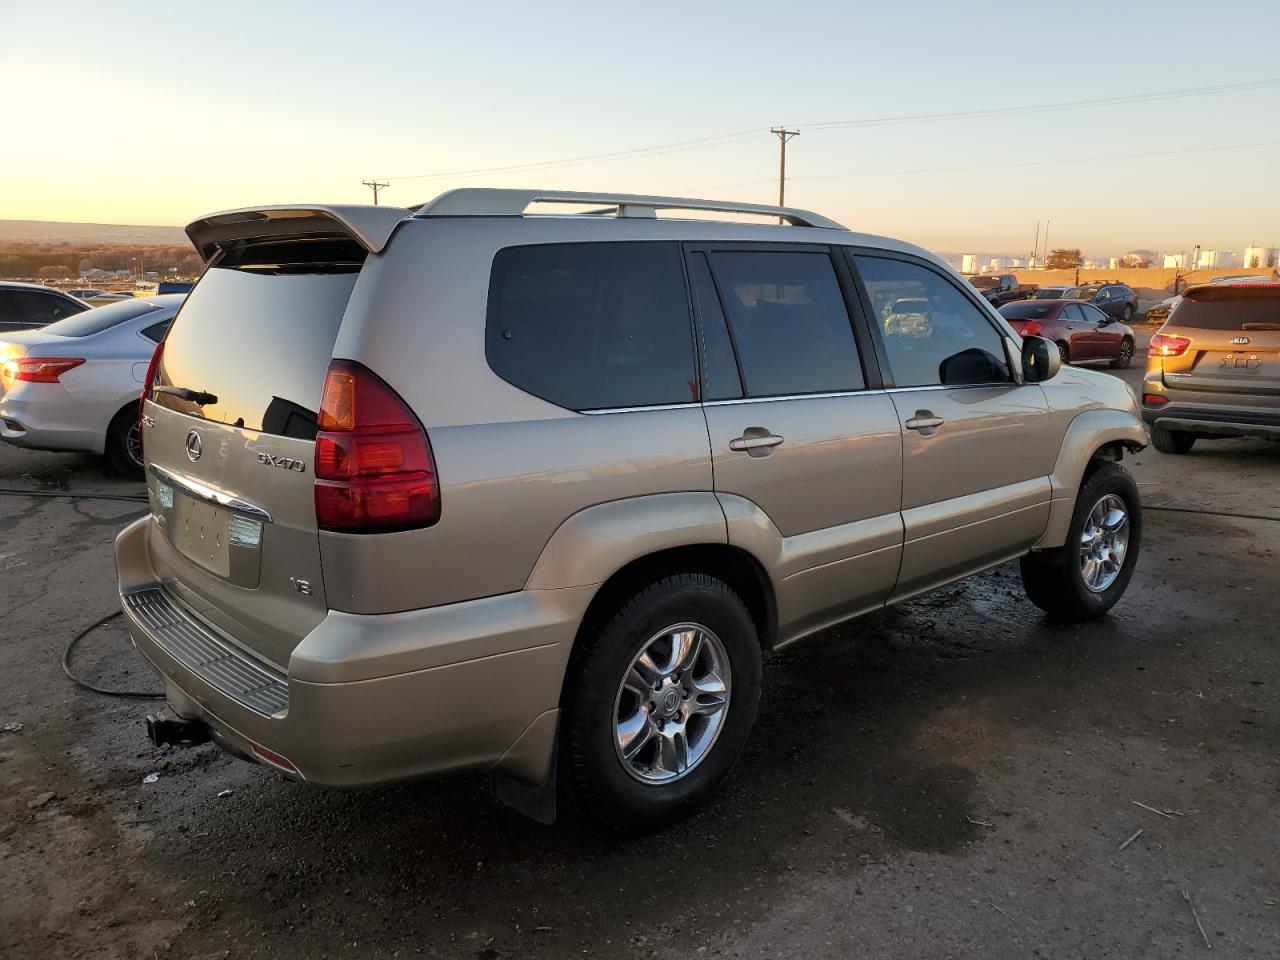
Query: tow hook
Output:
(164,729)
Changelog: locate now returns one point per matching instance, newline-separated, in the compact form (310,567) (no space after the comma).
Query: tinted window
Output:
(38,309)
(1072,312)
(944,337)
(1026,310)
(592,325)
(259,340)
(719,368)
(1229,307)
(789,322)
(1093,314)
(155,333)
(100,318)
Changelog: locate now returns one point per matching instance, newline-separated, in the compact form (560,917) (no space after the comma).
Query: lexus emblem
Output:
(194,446)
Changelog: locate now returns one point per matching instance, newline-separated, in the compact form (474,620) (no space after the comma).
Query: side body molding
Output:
(1086,433)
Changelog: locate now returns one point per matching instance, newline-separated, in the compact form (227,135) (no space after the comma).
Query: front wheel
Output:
(1083,579)
(659,702)
(1126,355)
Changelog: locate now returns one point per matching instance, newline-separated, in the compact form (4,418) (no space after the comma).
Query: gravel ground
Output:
(950,778)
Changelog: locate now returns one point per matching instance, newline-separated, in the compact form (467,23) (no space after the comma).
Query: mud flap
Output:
(537,802)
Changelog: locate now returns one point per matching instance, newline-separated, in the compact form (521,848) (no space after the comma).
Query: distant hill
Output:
(49,231)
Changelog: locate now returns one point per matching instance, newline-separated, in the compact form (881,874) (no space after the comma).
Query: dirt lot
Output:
(951,778)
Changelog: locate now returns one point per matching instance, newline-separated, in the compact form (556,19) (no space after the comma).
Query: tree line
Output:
(53,261)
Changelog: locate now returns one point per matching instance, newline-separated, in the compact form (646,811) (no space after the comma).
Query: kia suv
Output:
(460,487)
(1213,368)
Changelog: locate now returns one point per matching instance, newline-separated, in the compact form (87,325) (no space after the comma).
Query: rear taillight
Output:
(374,470)
(1031,329)
(1165,345)
(40,369)
(153,368)
(1154,399)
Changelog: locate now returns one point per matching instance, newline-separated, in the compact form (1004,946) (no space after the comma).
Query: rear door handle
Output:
(756,441)
(925,422)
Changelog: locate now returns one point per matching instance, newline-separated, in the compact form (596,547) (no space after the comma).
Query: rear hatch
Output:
(229,433)
(1233,348)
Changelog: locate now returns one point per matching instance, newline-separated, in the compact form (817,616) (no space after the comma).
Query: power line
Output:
(737,136)
(1003,166)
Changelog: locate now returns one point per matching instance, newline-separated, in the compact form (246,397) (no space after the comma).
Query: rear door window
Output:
(592,326)
(946,341)
(789,322)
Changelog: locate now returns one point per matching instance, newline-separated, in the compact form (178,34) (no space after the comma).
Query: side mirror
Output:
(1040,359)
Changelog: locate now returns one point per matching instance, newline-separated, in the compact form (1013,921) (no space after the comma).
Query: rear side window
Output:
(155,333)
(592,326)
(788,319)
(99,318)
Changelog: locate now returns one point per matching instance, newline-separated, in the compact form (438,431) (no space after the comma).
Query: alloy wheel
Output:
(672,703)
(1104,542)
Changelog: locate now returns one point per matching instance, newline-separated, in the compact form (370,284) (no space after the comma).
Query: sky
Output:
(150,113)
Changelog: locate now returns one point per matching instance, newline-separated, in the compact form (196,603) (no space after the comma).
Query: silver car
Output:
(75,384)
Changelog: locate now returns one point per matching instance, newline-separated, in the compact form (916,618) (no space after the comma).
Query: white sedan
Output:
(74,384)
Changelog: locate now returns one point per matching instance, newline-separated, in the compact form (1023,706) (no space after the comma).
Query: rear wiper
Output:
(199,397)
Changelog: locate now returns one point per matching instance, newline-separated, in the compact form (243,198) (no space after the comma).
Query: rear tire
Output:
(124,443)
(1064,352)
(1107,520)
(1127,314)
(1172,441)
(1126,355)
(648,790)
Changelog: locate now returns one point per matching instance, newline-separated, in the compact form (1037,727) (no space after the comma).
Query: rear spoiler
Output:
(371,227)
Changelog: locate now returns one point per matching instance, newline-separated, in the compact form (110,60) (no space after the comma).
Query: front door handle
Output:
(756,441)
(925,422)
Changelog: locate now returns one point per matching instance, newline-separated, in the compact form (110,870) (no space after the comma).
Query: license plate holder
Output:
(198,531)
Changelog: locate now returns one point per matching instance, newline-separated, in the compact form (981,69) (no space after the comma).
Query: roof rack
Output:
(489,202)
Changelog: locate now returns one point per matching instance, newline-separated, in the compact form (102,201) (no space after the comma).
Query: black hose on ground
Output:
(66,665)
(15,492)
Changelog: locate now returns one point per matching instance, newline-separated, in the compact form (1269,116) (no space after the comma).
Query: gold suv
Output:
(460,487)
(1213,369)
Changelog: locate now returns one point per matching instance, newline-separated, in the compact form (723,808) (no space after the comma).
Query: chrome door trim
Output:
(200,491)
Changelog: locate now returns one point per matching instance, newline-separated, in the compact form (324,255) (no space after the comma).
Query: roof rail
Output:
(489,202)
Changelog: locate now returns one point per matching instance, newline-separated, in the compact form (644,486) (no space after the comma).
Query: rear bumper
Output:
(1214,421)
(368,699)
(48,426)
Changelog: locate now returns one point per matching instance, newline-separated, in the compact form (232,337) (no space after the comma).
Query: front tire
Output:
(124,443)
(659,701)
(1085,578)
(1172,441)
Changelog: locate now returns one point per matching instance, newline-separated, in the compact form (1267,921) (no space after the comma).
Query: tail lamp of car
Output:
(1154,399)
(1031,329)
(39,369)
(1166,345)
(374,468)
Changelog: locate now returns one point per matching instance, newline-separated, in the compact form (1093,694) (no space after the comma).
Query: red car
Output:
(1083,333)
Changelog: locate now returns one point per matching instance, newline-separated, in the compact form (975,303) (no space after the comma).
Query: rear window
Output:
(99,318)
(1026,310)
(592,326)
(259,338)
(1229,307)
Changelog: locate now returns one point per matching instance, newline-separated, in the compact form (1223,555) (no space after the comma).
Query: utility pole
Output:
(1035,247)
(375,186)
(783,135)
(1046,246)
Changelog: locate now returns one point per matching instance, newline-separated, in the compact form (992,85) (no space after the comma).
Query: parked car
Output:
(1213,368)
(85,293)
(1083,333)
(74,385)
(1114,299)
(29,306)
(1001,288)
(1050,293)
(451,488)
